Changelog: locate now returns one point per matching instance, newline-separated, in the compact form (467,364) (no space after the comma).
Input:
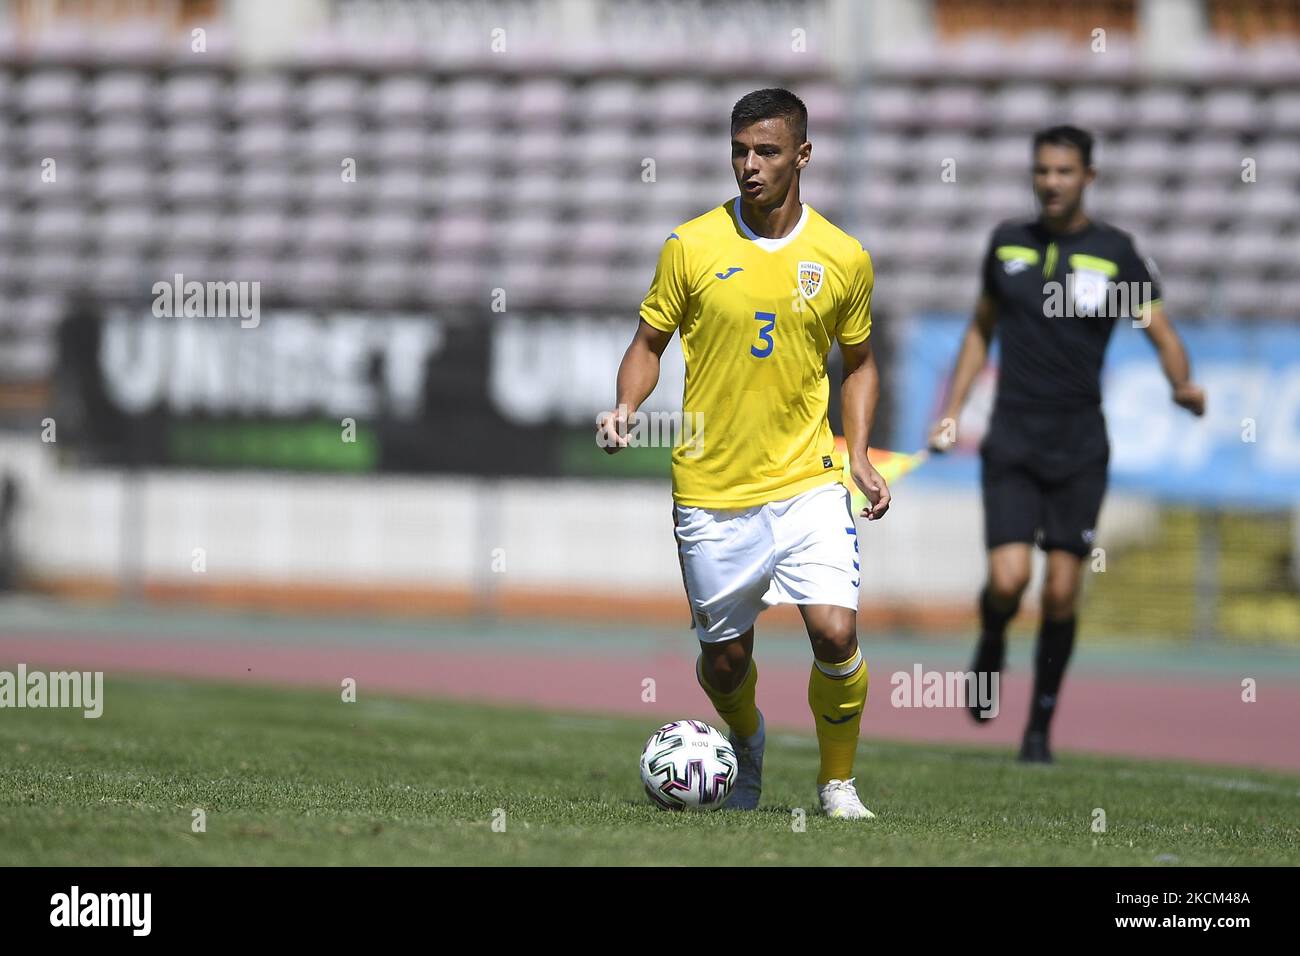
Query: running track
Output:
(1194,716)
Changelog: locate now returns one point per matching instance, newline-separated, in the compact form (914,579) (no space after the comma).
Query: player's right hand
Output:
(872,484)
(943,435)
(611,432)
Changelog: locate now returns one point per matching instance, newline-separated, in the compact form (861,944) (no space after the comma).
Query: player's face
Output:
(765,159)
(1059,180)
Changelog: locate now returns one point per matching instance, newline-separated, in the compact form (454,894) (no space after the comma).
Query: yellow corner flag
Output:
(892,466)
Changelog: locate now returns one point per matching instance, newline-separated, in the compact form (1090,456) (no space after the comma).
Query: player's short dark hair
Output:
(771,104)
(1066,135)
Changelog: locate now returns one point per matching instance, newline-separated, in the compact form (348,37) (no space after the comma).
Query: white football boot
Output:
(840,799)
(749,769)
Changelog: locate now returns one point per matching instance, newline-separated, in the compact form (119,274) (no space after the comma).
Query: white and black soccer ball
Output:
(688,765)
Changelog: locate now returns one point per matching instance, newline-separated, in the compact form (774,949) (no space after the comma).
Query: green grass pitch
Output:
(299,777)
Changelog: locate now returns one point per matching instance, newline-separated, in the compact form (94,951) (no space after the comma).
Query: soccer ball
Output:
(687,765)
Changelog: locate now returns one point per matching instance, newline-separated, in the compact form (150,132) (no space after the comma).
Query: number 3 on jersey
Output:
(764,333)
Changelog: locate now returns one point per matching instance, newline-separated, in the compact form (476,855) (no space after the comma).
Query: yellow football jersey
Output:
(757,319)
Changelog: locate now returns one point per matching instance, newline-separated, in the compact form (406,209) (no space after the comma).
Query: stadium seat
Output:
(259,95)
(885,152)
(258,229)
(1217,156)
(262,140)
(1255,253)
(543,102)
(403,98)
(472,102)
(609,101)
(892,106)
(58,228)
(457,279)
(1161,109)
(385,281)
(1229,110)
(1277,160)
(470,189)
(1100,108)
(194,228)
(1205,202)
(472,147)
(197,182)
(1142,154)
(125,227)
(404,144)
(827,107)
(507,158)
(46,92)
(681,101)
(330,139)
(1283,110)
(122,182)
(1024,107)
(121,92)
(120,139)
(192,94)
(331,95)
(192,139)
(535,238)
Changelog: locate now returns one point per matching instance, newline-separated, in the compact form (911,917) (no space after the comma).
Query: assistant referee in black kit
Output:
(1054,289)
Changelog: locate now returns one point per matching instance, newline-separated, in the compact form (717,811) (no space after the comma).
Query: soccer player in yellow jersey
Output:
(760,287)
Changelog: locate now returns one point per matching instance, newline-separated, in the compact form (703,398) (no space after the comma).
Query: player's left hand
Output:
(1190,397)
(874,487)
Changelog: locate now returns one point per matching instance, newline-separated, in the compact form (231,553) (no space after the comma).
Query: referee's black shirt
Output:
(1057,298)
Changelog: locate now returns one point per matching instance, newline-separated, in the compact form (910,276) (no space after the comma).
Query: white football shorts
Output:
(736,563)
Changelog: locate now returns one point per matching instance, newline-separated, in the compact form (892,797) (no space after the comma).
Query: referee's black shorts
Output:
(1043,476)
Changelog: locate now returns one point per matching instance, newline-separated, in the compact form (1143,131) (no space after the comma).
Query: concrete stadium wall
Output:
(481,539)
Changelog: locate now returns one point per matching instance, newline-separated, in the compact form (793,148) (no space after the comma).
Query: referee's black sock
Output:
(993,633)
(1055,643)
(991,651)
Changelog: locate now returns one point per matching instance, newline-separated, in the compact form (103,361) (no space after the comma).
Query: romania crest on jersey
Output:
(810,278)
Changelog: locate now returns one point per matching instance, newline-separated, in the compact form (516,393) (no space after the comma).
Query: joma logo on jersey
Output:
(810,278)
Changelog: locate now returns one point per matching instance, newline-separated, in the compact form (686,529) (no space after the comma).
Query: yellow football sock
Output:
(837,694)
(737,707)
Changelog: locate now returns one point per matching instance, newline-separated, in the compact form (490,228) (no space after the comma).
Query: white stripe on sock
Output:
(841,670)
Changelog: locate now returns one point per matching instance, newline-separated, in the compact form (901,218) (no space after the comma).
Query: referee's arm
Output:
(974,353)
(1173,359)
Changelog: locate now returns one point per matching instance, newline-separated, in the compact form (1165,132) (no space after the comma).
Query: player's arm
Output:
(1173,359)
(638,374)
(662,312)
(859,395)
(974,353)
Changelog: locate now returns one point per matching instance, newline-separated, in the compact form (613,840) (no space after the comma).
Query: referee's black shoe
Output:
(1033,749)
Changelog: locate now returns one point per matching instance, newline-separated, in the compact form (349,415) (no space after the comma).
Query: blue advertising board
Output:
(1245,451)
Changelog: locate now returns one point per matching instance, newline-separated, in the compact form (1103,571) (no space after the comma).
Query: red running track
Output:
(1201,719)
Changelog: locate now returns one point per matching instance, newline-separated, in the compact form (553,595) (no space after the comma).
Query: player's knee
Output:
(834,641)
(1007,584)
(725,666)
(1059,599)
